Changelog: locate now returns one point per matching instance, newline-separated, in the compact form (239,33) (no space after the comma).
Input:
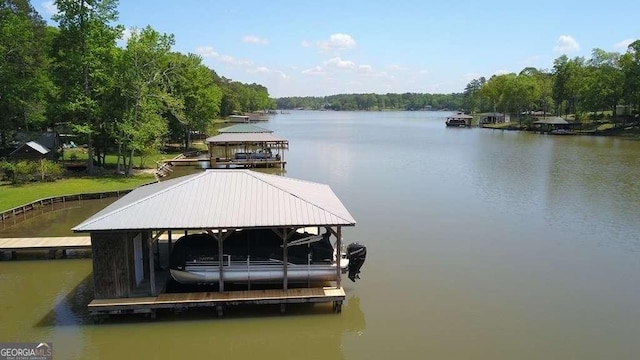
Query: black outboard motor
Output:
(356,253)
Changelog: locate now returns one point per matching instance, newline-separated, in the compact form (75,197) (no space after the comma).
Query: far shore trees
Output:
(597,85)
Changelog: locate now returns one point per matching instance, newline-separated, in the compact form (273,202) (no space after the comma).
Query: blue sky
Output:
(317,48)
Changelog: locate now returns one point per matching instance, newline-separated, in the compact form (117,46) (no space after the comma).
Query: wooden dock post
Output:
(285,260)
(338,255)
(152,271)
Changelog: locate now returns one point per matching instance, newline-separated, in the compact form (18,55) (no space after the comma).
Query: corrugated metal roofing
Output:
(219,199)
(35,146)
(244,137)
(244,128)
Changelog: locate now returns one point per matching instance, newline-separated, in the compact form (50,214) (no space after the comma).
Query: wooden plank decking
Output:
(217,299)
(45,243)
(52,244)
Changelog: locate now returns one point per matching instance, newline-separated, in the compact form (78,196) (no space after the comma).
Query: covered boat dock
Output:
(129,278)
(246,146)
(555,125)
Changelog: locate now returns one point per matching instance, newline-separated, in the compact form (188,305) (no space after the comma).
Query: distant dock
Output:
(51,244)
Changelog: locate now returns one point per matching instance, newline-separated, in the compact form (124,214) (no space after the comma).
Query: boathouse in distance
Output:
(246,146)
(218,202)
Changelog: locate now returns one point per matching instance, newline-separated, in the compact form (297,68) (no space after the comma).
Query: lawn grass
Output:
(13,195)
(111,160)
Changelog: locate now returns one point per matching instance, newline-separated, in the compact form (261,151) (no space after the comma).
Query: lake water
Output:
(482,244)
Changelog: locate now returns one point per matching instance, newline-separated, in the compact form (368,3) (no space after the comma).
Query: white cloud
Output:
(234,62)
(206,51)
(424,72)
(566,44)
(317,70)
(337,42)
(623,45)
(252,39)
(49,8)
(337,62)
(305,43)
(262,70)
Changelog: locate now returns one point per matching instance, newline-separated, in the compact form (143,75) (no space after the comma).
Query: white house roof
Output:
(244,137)
(222,199)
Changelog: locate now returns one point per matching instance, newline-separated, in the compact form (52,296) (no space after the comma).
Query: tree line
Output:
(579,86)
(132,98)
(370,102)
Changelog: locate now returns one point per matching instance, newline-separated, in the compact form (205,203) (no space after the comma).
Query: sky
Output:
(321,48)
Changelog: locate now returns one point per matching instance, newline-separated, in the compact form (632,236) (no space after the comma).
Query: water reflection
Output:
(70,308)
(52,220)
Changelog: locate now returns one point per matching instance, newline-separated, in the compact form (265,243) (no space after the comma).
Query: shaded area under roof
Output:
(244,128)
(222,199)
(237,138)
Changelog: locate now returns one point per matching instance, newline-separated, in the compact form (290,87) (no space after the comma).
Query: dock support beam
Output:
(220,266)
(152,272)
(285,260)
(338,256)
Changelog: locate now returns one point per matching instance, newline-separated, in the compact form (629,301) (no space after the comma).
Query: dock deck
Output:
(52,244)
(250,163)
(219,300)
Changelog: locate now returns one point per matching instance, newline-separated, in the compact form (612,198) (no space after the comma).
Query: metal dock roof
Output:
(244,138)
(222,199)
(244,128)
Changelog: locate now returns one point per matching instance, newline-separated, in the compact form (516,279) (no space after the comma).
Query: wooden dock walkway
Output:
(180,301)
(52,244)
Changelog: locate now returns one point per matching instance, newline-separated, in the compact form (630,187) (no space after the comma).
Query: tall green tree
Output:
(472,98)
(193,83)
(83,52)
(146,71)
(25,83)
(630,65)
(603,79)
